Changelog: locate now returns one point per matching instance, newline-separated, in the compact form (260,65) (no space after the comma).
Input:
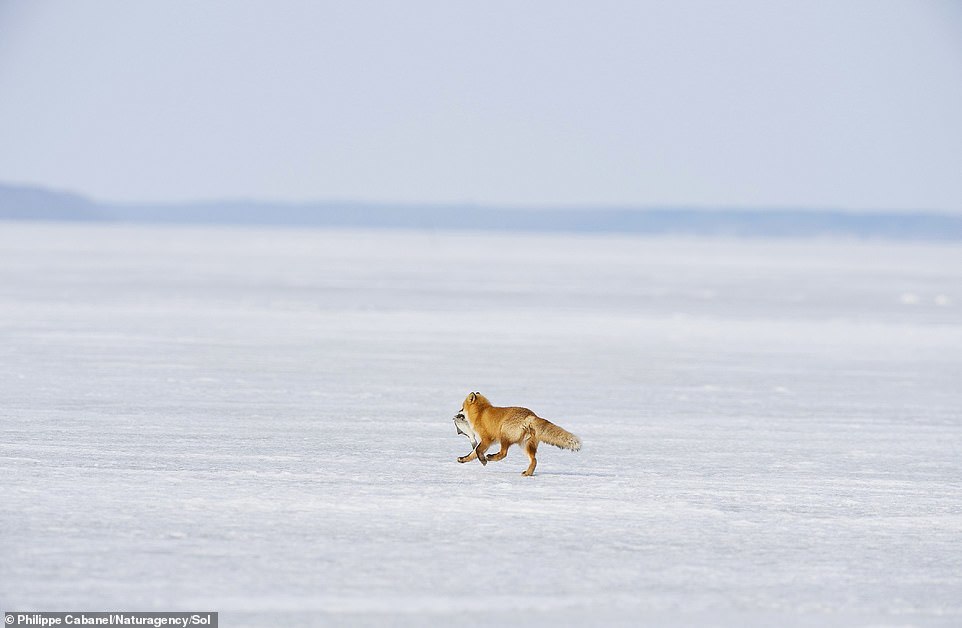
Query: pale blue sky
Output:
(759,104)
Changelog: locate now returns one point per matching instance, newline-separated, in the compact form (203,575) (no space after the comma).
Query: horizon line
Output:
(467,204)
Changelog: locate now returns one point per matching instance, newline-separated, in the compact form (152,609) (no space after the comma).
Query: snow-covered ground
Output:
(258,422)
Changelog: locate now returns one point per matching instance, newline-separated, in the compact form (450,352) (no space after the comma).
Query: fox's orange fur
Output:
(510,426)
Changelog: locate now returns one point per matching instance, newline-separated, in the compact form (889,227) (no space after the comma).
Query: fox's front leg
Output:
(479,450)
(501,454)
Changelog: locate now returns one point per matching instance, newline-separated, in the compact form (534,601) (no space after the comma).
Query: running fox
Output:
(509,426)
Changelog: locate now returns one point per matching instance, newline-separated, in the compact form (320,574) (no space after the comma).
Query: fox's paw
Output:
(462,458)
(527,473)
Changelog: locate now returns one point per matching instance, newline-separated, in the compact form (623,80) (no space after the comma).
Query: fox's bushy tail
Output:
(547,432)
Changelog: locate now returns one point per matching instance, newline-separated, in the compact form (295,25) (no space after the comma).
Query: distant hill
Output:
(35,203)
(20,202)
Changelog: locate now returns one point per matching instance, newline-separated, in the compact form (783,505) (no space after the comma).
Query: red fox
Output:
(509,426)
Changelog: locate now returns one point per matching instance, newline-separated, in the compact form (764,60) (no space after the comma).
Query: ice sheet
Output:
(258,422)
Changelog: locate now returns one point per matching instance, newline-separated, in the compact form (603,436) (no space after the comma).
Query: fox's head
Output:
(473,402)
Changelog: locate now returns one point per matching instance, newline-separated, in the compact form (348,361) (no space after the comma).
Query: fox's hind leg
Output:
(531,448)
(480,449)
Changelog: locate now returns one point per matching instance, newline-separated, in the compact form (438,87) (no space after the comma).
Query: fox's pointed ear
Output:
(472,397)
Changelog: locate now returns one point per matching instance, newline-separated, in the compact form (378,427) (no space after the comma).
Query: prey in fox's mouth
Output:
(463,426)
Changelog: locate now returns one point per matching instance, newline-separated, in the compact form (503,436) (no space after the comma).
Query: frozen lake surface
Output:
(258,422)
